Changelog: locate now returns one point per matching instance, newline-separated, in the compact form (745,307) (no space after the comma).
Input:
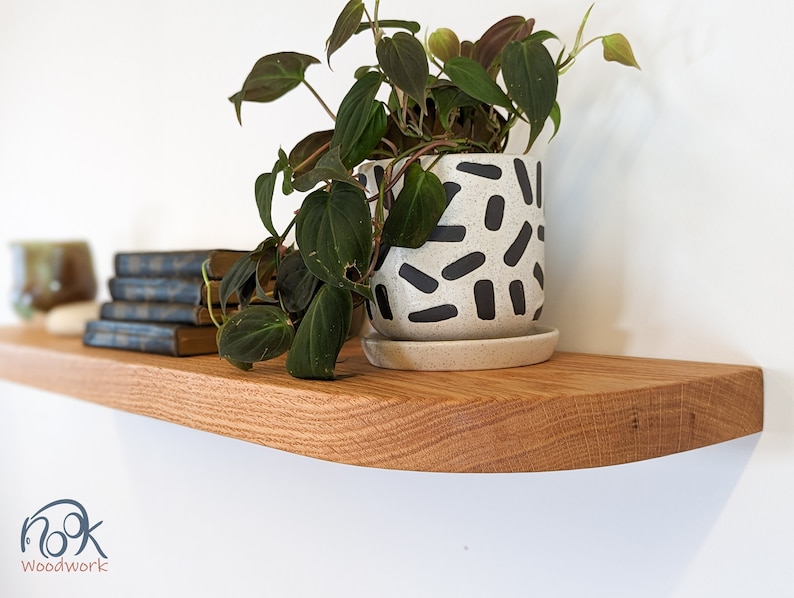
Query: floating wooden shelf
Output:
(572,411)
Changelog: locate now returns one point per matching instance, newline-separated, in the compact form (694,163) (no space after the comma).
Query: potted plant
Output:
(374,190)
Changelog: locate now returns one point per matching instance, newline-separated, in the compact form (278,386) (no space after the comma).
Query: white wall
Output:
(669,218)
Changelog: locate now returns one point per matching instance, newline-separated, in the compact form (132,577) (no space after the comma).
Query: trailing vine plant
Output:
(415,99)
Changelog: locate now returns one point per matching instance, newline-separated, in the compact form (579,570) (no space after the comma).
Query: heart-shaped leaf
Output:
(308,150)
(238,281)
(272,76)
(241,279)
(354,114)
(417,209)
(257,333)
(531,79)
(370,137)
(295,283)
(474,80)
(346,25)
(328,168)
(334,235)
(321,334)
(404,62)
(489,47)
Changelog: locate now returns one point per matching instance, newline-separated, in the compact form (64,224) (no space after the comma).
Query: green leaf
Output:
(264,188)
(239,280)
(490,46)
(272,76)
(295,283)
(305,154)
(242,278)
(370,137)
(618,49)
(321,334)
(449,99)
(328,168)
(556,118)
(444,44)
(404,62)
(256,333)
(474,80)
(417,209)
(579,34)
(411,26)
(541,36)
(531,79)
(346,25)
(354,114)
(334,234)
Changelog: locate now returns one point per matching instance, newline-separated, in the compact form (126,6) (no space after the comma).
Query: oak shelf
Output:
(573,411)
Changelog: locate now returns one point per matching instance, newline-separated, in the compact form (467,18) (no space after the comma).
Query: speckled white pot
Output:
(480,276)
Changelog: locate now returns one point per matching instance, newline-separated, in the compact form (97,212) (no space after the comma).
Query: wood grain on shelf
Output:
(572,411)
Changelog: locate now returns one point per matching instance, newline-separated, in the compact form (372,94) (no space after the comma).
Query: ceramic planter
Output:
(481,274)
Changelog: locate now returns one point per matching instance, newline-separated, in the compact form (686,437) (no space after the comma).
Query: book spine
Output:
(171,290)
(176,263)
(136,311)
(146,339)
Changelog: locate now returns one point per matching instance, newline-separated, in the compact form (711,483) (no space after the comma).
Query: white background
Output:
(669,234)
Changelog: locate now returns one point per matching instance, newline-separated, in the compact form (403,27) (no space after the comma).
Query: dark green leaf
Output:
(321,334)
(272,76)
(417,209)
(618,49)
(345,26)
(404,62)
(257,333)
(295,284)
(489,47)
(264,187)
(370,137)
(328,168)
(474,80)
(411,26)
(541,36)
(448,100)
(531,79)
(305,154)
(556,118)
(285,167)
(354,114)
(334,233)
(239,281)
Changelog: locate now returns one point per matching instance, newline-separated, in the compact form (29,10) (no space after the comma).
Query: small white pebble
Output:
(70,319)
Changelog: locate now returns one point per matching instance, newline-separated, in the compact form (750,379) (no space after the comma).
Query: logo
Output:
(59,530)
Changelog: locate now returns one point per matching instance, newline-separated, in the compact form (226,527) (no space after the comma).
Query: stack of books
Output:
(161,304)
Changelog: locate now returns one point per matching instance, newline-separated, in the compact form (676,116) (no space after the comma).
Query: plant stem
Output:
(206,278)
(316,153)
(319,99)
(568,62)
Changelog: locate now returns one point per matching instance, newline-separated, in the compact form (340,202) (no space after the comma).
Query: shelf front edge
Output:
(577,411)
